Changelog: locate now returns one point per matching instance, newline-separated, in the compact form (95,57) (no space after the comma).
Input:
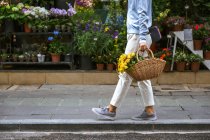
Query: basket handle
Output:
(149,51)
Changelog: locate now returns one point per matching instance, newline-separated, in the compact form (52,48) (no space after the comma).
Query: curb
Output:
(96,125)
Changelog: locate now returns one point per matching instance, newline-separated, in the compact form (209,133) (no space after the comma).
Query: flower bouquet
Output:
(139,67)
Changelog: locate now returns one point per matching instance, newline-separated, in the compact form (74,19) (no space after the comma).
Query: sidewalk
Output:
(71,104)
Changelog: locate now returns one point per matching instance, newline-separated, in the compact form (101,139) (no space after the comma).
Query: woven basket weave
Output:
(146,69)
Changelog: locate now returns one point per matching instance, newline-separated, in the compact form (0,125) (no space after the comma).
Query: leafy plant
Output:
(165,54)
(84,43)
(195,58)
(206,46)
(11,12)
(180,57)
(55,45)
(175,20)
(199,32)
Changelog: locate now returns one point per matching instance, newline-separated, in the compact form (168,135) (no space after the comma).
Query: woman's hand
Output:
(143,47)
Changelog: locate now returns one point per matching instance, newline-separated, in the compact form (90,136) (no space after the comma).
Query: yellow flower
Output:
(106,29)
(161,14)
(127,60)
(132,54)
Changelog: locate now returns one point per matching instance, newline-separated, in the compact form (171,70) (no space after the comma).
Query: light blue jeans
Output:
(125,80)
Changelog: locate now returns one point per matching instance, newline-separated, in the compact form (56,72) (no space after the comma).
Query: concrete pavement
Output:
(22,107)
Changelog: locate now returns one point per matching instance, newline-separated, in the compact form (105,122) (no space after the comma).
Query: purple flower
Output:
(207,41)
(87,27)
(115,35)
(58,12)
(50,38)
(71,10)
(56,32)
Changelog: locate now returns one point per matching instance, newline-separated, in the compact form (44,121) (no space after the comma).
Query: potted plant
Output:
(100,60)
(176,23)
(195,60)
(84,46)
(165,54)
(206,49)
(103,45)
(4,57)
(68,52)
(199,33)
(34,57)
(21,57)
(40,14)
(55,46)
(180,59)
(15,57)
(10,14)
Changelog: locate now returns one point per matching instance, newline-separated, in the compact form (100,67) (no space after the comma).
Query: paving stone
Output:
(165,101)
(67,110)
(199,87)
(50,102)
(174,88)
(186,101)
(43,110)
(12,101)
(180,116)
(130,110)
(31,102)
(2,117)
(7,110)
(200,116)
(196,110)
(28,87)
(4,87)
(187,93)
(168,108)
(27,117)
(163,93)
(73,102)
(73,116)
(203,100)
(14,87)
(207,93)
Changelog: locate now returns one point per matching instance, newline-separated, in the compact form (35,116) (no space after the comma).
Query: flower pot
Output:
(85,63)
(68,58)
(41,58)
(195,66)
(167,68)
(177,28)
(110,67)
(55,57)
(197,44)
(100,67)
(207,55)
(34,59)
(180,66)
(15,58)
(27,28)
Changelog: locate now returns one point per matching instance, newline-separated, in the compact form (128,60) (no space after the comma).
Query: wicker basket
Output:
(146,69)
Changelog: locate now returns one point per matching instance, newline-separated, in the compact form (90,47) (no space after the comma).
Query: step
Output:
(190,46)
(108,135)
(103,125)
(93,77)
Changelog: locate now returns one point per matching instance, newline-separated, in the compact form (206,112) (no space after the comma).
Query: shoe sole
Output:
(105,117)
(144,119)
